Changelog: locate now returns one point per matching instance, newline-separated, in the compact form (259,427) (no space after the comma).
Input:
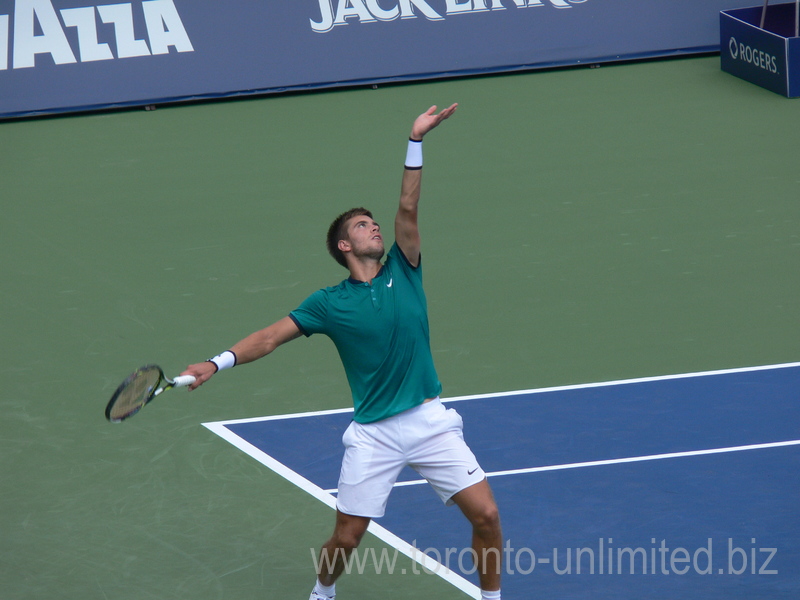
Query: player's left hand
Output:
(430,119)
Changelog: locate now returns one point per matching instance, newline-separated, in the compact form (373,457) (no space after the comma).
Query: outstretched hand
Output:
(202,372)
(429,119)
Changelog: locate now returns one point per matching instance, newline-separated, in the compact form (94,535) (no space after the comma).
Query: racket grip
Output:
(184,380)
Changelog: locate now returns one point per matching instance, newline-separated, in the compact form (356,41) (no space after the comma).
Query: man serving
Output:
(378,321)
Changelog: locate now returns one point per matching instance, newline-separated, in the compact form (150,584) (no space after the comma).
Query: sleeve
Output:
(412,272)
(312,315)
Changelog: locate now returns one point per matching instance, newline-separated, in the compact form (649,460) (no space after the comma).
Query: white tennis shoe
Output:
(316,596)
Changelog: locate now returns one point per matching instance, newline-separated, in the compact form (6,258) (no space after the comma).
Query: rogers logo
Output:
(753,56)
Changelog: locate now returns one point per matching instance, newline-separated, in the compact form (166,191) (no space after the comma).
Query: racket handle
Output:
(184,380)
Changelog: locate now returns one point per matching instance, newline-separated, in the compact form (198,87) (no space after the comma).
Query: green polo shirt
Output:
(381,332)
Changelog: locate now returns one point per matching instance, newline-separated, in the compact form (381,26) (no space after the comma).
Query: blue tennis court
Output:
(664,487)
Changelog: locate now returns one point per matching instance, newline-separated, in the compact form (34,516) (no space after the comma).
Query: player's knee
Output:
(487,519)
(347,539)
(347,543)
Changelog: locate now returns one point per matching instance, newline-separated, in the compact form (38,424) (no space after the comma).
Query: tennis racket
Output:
(139,388)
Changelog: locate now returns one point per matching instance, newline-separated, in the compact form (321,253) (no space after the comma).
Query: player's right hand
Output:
(202,372)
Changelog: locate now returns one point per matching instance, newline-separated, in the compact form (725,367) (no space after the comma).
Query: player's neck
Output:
(365,269)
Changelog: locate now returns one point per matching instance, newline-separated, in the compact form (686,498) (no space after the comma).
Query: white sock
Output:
(490,595)
(325,590)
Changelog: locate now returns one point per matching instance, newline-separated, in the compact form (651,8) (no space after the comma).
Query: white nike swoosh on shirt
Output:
(390,283)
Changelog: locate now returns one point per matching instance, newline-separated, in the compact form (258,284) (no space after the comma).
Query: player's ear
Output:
(344,245)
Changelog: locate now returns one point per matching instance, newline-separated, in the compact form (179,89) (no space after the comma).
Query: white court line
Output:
(579,386)
(428,564)
(402,546)
(616,461)
(584,386)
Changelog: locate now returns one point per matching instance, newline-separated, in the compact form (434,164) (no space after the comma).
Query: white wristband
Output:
(414,154)
(226,360)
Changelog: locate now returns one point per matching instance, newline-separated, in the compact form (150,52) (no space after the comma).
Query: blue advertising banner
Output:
(70,55)
(769,57)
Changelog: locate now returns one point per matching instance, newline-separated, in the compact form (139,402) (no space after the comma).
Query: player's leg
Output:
(478,505)
(347,534)
(370,467)
(443,458)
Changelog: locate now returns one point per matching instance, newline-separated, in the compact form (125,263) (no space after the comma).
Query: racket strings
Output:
(134,392)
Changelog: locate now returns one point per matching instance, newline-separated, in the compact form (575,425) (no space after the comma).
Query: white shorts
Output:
(428,438)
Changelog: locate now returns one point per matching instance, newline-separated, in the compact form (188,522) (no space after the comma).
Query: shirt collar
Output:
(355,281)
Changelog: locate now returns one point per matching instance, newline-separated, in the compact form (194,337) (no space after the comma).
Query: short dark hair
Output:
(338,231)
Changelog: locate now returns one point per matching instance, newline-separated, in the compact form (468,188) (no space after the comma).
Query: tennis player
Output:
(378,320)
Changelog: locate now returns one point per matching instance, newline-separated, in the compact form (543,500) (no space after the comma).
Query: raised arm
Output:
(406,228)
(254,346)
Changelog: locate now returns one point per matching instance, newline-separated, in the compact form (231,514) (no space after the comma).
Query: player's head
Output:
(338,231)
